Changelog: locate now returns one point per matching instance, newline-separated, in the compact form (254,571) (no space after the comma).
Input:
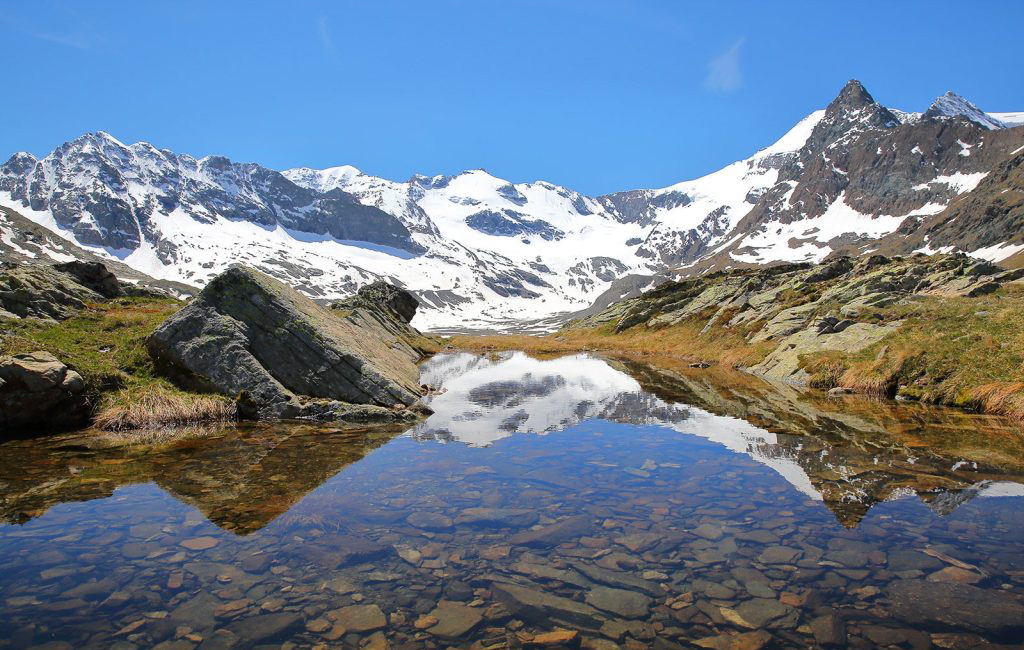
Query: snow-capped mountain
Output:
(953,105)
(483,252)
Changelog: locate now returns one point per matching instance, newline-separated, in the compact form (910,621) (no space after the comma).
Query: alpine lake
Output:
(566,502)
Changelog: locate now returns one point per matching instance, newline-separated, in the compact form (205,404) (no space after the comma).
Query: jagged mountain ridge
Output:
(481,251)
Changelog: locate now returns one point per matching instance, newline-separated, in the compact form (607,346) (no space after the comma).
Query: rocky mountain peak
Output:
(953,105)
(854,104)
(22,162)
(853,96)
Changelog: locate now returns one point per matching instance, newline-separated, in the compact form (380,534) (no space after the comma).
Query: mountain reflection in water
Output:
(631,505)
(849,453)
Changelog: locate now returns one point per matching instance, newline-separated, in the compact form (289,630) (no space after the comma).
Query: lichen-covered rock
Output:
(93,275)
(381,296)
(249,336)
(37,391)
(37,291)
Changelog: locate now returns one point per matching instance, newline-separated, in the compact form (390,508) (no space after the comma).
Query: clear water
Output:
(632,506)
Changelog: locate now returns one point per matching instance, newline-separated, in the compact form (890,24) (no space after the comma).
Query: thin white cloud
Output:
(724,73)
(79,41)
(324,33)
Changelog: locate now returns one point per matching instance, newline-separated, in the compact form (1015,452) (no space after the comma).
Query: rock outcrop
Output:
(37,390)
(803,308)
(36,291)
(93,275)
(249,336)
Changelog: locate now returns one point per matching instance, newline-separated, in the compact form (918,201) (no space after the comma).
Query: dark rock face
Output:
(38,391)
(509,223)
(639,206)
(862,154)
(385,297)
(94,276)
(42,292)
(990,215)
(249,336)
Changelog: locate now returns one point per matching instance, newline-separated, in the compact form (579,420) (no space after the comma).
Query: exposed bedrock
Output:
(283,356)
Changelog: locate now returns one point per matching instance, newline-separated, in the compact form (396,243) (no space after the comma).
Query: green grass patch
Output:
(106,344)
(965,352)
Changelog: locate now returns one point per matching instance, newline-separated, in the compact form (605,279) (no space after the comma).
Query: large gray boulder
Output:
(249,336)
(37,391)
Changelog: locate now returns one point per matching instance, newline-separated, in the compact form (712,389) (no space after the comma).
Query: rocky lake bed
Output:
(568,502)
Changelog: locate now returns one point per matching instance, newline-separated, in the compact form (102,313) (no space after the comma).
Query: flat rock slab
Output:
(264,626)
(454,619)
(540,606)
(361,618)
(761,613)
(547,572)
(497,517)
(953,605)
(746,641)
(627,604)
(556,533)
(619,579)
(429,521)
(334,551)
(779,555)
(196,612)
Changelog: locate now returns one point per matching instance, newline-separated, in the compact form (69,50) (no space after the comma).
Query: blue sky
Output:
(599,96)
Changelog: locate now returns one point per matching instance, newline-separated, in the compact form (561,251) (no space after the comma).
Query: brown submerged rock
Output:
(454,619)
(361,618)
(949,604)
(556,533)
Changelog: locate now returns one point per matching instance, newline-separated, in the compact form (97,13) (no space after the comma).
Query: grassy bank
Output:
(965,352)
(105,343)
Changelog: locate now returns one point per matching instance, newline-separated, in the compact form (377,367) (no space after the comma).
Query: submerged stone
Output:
(554,534)
(453,619)
(627,604)
(539,606)
(924,603)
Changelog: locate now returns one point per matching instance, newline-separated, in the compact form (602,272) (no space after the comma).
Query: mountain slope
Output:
(482,252)
(863,174)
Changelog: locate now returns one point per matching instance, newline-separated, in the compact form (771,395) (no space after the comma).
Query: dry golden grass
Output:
(683,342)
(1006,397)
(157,407)
(957,351)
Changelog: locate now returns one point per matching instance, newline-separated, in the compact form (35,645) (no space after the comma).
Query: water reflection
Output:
(240,478)
(849,453)
(668,508)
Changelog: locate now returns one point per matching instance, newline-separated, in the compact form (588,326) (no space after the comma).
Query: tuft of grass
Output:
(156,407)
(1006,397)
